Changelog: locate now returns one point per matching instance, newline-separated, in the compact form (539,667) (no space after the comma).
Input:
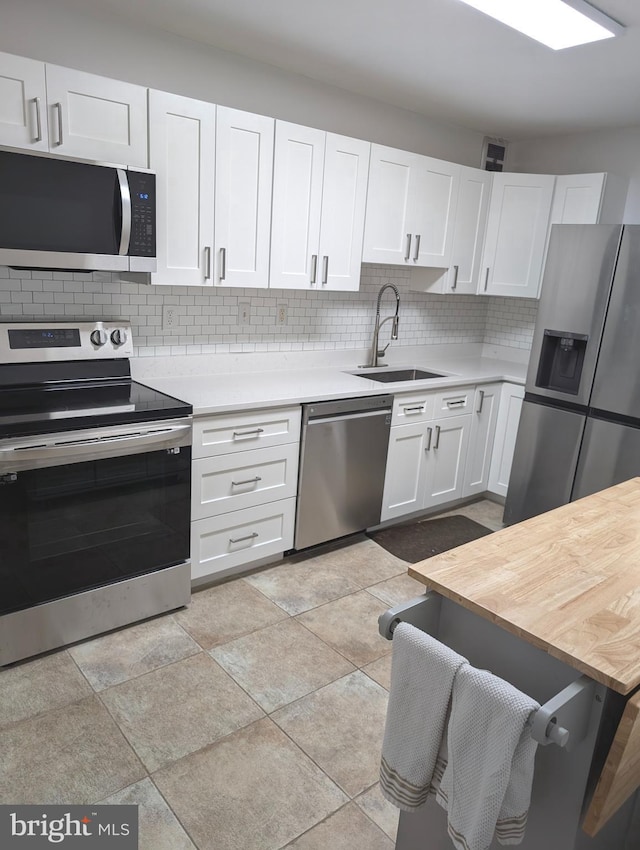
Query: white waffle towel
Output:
(422,674)
(486,786)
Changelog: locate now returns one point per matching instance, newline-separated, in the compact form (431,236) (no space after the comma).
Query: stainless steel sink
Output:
(389,376)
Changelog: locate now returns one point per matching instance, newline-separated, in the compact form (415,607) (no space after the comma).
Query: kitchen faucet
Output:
(375,351)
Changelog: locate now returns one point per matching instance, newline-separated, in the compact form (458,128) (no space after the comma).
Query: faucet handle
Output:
(381,351)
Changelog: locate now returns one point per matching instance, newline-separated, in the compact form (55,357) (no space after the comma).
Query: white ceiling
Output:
(440,58)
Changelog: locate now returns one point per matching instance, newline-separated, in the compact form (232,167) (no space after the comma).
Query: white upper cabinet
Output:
(411,206)
(96,118)
(463,275)
(577,199)
(319,195)
(23,103)
(244,177)
(181,152)
(50,108)
(516,235)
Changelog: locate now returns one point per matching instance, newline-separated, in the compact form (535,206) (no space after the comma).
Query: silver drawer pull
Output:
(456,403)
(486,281)
(242,539)
(437,442)
(481,405)
(454,285)
(248,481)
(408,251)
(429,433)
(325,269)
(247,433)
(314,268)
(223,263)
(416,256)
(419,408)
(58,108)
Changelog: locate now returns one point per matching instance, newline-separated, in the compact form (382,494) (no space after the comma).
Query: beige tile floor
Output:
(251,720)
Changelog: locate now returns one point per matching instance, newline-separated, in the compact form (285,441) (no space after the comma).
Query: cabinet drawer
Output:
(230,482)
(230,540)
(412,407)
(453,402)
(236,432)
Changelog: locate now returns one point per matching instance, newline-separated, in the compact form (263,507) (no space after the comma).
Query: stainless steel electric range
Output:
(95,479)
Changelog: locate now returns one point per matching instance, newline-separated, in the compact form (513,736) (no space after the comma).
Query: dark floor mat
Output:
(416,541)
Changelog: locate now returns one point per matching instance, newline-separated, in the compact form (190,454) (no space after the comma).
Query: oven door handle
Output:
(91,448)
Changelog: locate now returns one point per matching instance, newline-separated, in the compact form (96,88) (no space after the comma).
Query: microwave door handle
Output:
(125,198)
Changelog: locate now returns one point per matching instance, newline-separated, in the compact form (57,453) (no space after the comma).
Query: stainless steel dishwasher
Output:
(343,456)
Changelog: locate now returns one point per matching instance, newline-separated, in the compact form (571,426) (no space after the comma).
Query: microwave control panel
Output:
(142,187)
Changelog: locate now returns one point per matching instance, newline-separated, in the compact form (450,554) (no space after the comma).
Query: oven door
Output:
(82,510)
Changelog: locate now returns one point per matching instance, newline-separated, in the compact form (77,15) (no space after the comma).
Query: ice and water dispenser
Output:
(561,360)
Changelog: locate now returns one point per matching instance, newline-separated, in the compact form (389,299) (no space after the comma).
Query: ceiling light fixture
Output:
(556,23)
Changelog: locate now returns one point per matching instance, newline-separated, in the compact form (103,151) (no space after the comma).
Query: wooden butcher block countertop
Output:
(567,581)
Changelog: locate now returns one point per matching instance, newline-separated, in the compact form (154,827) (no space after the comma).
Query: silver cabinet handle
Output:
(458,403)
(125,200)
(58,108)
(242,539)
(417,253)
(486,280)
(248,481)
(455,278)
(314,267)
(480,406)
(247,433)
(223,263)
(408,251)
(207,262)
(325,269)
(36,102)
(437,442)
(429,433)
(418,407)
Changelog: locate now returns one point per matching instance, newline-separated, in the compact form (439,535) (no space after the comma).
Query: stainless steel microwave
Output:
(59,214)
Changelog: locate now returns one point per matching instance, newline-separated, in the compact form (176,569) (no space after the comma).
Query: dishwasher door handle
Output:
(365,414)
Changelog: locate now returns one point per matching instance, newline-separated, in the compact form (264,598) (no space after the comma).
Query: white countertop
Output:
(210,391)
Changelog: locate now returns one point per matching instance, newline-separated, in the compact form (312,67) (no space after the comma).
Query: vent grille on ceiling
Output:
(494,153)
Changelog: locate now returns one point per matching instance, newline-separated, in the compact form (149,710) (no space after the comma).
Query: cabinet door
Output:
(516,234)
(577,199)
(297,202)
(469,230)
(181,148)
(388,225)
(445,460)
(23,103)
(96,118)
(483,429)
(244,179)
(404,479)
(504,443)
(434,196)
(344,195)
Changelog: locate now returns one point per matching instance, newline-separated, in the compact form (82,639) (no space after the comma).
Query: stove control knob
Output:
(119,336)
(98,337)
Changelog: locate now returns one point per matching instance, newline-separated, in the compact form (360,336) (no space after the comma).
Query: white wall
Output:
(65,33)
(614,151)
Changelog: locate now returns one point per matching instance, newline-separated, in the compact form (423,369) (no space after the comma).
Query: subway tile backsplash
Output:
(210,320)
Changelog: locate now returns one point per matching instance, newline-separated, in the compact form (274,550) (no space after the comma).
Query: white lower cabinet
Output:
(244,484)
(230,540)
(426,459)
(504,444)
(483,430)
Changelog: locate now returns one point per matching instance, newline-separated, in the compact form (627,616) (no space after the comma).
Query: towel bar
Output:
(562,720)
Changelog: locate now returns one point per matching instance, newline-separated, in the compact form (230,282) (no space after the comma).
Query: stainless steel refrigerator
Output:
(580,426)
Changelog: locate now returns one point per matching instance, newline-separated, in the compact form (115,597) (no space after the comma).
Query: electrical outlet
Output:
(244,311)
(169,317)
(282,314)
